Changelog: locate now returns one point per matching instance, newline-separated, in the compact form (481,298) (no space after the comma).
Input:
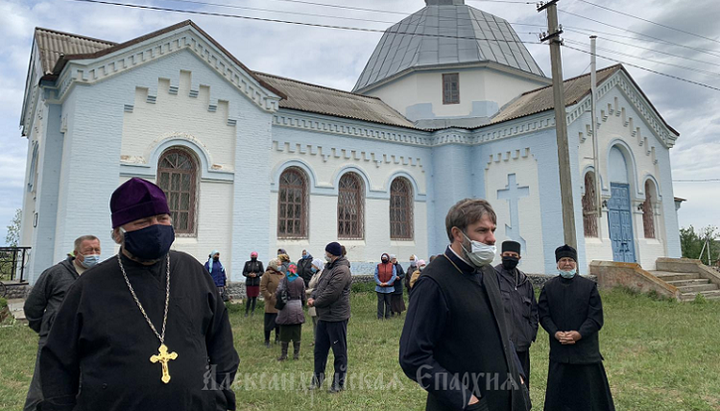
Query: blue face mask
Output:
(149,243)
(314,270)
(568,274)
(90,260)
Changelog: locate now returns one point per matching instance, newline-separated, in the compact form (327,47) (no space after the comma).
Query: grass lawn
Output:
(659,355)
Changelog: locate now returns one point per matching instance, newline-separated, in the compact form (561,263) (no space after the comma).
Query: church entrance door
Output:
(620,218)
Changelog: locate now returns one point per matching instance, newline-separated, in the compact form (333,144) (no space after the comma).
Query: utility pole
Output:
(566,186)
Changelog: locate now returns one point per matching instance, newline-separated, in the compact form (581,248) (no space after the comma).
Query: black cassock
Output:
(97,356)
(576,376)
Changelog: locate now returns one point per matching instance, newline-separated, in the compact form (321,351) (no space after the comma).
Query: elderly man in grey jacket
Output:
(331,299)
(48,294)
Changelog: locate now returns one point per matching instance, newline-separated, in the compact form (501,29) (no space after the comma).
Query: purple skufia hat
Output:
(136,199)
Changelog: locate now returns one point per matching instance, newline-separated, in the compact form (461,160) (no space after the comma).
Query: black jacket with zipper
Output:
(521,309)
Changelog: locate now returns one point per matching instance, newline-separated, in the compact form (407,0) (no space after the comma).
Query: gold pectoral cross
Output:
(163,357)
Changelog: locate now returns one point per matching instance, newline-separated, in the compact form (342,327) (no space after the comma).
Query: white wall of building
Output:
(477,85)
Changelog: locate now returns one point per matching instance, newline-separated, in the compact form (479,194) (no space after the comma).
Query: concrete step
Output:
(683,283)
(697,288)
(670,276)
(16,309)
(709,295)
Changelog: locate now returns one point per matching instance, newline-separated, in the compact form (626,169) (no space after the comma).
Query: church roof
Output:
(56,48)
(542,99)
(53,44)
(576,88)
(446,32)
(323,100)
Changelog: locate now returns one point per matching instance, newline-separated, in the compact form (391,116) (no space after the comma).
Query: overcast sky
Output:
(335,58)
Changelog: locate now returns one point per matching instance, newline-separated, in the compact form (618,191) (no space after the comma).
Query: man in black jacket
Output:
(518,296)
(455,342)
(571,312)
(331,298)
(48,294)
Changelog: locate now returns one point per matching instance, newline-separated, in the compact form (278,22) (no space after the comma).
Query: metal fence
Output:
(13,261)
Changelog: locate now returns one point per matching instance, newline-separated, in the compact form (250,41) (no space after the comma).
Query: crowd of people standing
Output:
(100,322)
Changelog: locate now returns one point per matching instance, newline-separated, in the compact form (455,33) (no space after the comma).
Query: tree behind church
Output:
(692,243)
(12,238)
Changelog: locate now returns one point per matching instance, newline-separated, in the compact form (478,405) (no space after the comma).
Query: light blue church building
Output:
(450,105)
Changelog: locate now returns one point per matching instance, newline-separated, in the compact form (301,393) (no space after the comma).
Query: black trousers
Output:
(270,326)
(384,307)
(34,395)
(331,335)
(525,362)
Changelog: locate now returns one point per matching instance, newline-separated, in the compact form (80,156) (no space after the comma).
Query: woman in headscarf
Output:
(284,261)
(253,271)
(410,270)
(291,317)
(268,286)
(317,269)
(417,273)
(217,271)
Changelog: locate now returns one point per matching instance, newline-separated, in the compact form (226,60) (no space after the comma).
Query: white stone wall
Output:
(476,85)
(524,166)
(324,162)
(178,113)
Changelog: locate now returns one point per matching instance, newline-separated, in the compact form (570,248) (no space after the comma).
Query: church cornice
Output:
(94,70)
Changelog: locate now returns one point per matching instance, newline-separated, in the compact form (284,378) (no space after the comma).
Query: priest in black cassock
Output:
(455,341)
(145,330)
(571,312)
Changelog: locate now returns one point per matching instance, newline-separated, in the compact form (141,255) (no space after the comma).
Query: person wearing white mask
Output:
(316,268)
(48,294)
(571,312)
(455,343)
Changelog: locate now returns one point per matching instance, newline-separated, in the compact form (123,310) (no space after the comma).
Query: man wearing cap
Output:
(518,296)
(571,312)
(144,330)
(331,299)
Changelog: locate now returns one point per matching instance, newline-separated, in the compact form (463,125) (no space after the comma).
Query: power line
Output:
(641,34)
(335,6)
(296,23)
(709,180)
(706,72)
(657,51)
(232,6)
(697,83)
(361,29)
(648,21)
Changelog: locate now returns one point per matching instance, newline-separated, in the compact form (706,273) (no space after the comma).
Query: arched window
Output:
(350,208)
(401,210)
(589,205)
(177,176)
(292,204)
(648,210)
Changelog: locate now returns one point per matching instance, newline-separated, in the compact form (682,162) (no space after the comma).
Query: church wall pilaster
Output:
(46,202)
(92,117)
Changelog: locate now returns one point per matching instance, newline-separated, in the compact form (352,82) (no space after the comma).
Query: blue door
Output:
(620,217)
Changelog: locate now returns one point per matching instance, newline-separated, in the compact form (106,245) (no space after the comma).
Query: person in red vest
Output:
(385,276)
